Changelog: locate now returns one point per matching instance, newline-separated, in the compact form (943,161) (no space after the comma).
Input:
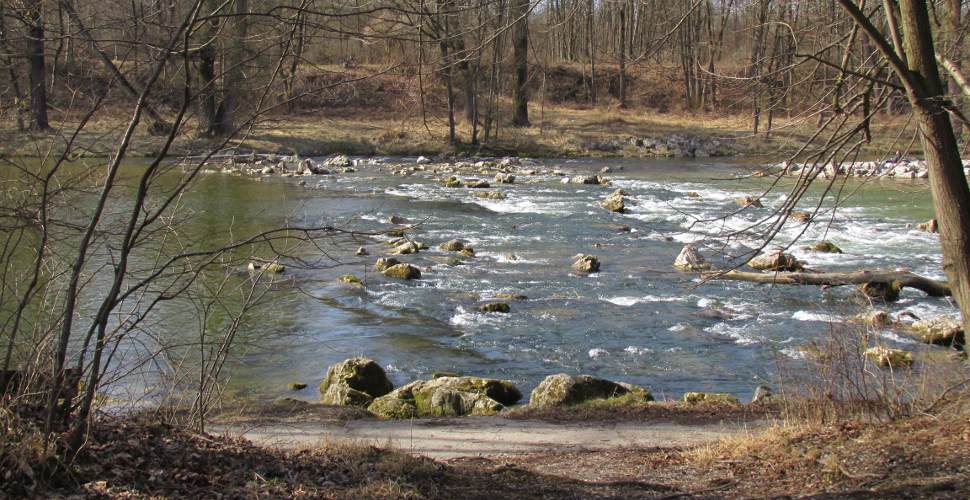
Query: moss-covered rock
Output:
(584,263)
(467,252)
(477,184)
(942,330)
(824,247)
(710,398)
(406,248)
(889,358)
(775,260)
(447,397)
(503,178)
(354,382)
(451,182)
(491,195)
(403,272)
(385,262)
(495,307)
(564,390)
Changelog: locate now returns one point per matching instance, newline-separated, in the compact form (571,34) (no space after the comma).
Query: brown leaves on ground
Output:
(137,458)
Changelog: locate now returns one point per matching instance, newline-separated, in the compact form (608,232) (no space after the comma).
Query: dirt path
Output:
(484,436)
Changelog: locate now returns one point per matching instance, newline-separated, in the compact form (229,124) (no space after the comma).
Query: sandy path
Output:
(483,436)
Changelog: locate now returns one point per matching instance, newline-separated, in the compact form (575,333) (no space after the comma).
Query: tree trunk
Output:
(931,287)
(520,48)
(37,73)
(623,56)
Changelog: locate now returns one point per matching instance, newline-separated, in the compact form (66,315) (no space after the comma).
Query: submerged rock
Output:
(350,279)
(874,318)
(775,260)
(397,219)
(296,386)
(264,267)
(878,290)
(354,382)
(943,330)
(584,263)
(495,307)
(510,296)
(824,247)
(801,216)
(477,184)
(447,397)
(889,358)
(361,252)
(564,390)
(403,271)
(491,195)
(710,398)
(690,259)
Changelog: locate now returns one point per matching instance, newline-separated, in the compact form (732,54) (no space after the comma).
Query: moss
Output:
(888,292)
(384,263)
(467,252)
(824,247)
(710,398)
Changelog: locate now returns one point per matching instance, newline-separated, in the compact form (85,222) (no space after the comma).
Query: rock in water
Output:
(615,202)
(385,262)
(889,358)
(748,201)
(930,226)
(477,184)
(584,263)
(874,318)
(397,219)
(801,216)
(690,259)
(403,271)
(361,252)
(503,178)
(422,160)
(354,382)
(710,398)
(491,195)
(453,246)
(451,182)
(447,397)
(564,390)
(350,279)
(775,260)
(877,290)
(942,330)
(762,394)
(495,307)
(824,247)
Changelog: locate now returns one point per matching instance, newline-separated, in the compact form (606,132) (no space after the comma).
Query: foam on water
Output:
(632,301)
(815,316)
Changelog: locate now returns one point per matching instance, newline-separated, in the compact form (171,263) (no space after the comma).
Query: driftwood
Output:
(931,287)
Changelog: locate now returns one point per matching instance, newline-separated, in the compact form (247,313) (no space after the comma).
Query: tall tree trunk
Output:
(18,103)
(33,16)
(520,49)
(592,52)
(623,55)
(955,54)
(917,70)
(233,77)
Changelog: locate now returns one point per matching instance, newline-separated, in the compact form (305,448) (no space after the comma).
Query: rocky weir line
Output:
(892,169)
(361,382)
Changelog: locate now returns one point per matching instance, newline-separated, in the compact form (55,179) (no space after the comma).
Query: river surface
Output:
(637,320)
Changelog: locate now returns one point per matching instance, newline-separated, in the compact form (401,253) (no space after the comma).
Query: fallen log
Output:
(929,286)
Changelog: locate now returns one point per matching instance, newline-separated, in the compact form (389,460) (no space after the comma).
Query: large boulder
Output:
(453,246)
(384,263)
(584,263)
(942,330)
(824,247)
(880,290)
(447,397)
(690,259)
(403,272)
(564,390)
(503,178)
(615,202)
(775,260)
(354,382)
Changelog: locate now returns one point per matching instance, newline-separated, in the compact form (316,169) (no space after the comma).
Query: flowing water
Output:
(637,320)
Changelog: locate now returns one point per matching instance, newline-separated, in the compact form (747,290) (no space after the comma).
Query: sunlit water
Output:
(637,320)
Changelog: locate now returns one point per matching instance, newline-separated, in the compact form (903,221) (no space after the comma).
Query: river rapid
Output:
(636,320)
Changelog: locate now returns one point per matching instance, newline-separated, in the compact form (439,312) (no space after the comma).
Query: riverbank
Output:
(138,457)
(556,132)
